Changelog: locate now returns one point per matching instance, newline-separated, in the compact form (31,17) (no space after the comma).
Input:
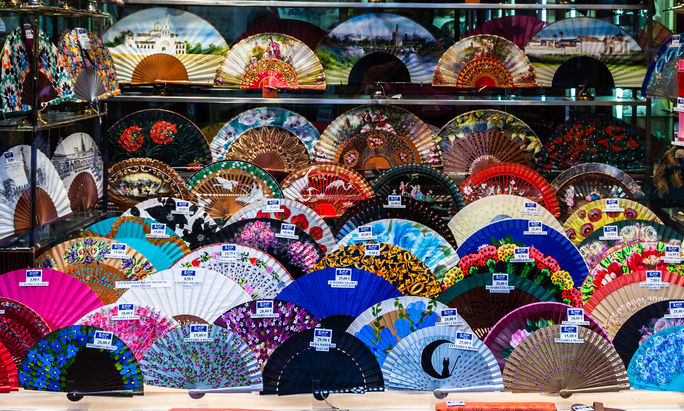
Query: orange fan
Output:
(510,178)
(159,67)
(8,371)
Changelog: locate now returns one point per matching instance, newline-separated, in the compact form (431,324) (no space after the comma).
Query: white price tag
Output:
(450,317)
(675,41)
(530,208)
(676,310)
(499,284)
(372,250)
(34,278)
(9,160)
(272,206)
(157,230)
(287,231)
(343,279)
(610,232)
(465,340)
(144,284)
(455,403)
(102,340)
(118,250)
(613,206)
(394,201)
(365,233)
(575,317)
(535,228)
(83,38)
(680,104)
(569,335)
(521,255)
(125,312)
(199,333)
(322,340)
(28,30)
(228,254)
(264,309)
(182,207)
(673,254)
(654,280)
(189,277)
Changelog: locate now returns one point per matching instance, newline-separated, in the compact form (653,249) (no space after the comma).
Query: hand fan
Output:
(510,178)
(352,40)
(321,361)
(337,292)
(307,33)
(102,61)
(58,298)
(518,29)
(414,362)
(20,328)
(377,137)
(642,325)
(258,273)
(138,328)
(588,182)
(200,357)
(167,45)
(81,360)
(423,183)
(78,162)
(292,247)
(329,189)
(396,265)
(556,49)
(160,135)
(593,138)
(9,381)
(264,324)
(521,232)
(378,208)
(657,364)
(225,187)
(660,34)
(291,212)
(137,179)
(484,60)
(88,86)
(52,201)
(494,208)
(520,323)
(661,78)
(189,221)
(596,214)
(667,177)
(422,241)
(540,363)
(90,261)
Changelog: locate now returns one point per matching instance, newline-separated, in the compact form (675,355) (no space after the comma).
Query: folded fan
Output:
(20,328)
(658,363)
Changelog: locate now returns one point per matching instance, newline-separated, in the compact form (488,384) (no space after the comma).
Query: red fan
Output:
(8,371)
(20,328)
(510,178)
(306,32)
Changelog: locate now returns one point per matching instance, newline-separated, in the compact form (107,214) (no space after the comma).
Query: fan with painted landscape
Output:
(78,161)
(308,33)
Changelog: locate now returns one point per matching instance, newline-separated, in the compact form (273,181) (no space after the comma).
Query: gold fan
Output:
(271,148)
(159,67)
(377,150)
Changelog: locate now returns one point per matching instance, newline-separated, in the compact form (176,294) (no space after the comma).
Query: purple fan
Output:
(518,29)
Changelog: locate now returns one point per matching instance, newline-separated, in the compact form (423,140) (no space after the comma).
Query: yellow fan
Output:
(271,148)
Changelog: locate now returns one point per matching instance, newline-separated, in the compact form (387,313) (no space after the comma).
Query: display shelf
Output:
(43,10)
(57,119)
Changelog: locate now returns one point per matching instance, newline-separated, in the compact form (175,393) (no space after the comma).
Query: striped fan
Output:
(225,187)
(484,60)
(258,273)
(596,214)
(195,292)
(658,363)
(89,260)
(305,32)
(494,208)
(396,265)
(518,29)
(9,381)
(517,325)
(510,178)
(377,137)
(541,363)
(414,363)
(20,328)
(583,183)
(321,361)
(328,189)
(88,86)
(166,45)
(337,295)
(661,78)
(58,298)
(78,162)
(265,324)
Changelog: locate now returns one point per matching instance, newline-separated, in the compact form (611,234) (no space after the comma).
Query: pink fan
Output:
(60,299)
(518,29)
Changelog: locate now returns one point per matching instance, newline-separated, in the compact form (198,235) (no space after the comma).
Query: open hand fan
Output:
(166,45)
(396,265)
(520,323)
(494,208)
(160,135)
(291,212)
(225,187)
(667,176)
(265,324)
(542,364)
(208,295)
(377,137)
(137,333)
(271,60)
(329,189)
(20,328)
(484,60)
(308,33)
(338,295)
(9,381)
(658,363)
(596,214)
(343,50)
(137,179)
(88,86)
(78,162)
(216,359)
(559,53)
(81,360)
(341,363)
(510,178)
(57,298)
(518,29)
(258,273)
(414,363)
(661,78)
(294,249)
(189,221)
(422,241)
(89,260)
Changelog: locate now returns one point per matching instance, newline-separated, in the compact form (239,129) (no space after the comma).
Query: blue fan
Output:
(658,364)
(553,243)
(338,295)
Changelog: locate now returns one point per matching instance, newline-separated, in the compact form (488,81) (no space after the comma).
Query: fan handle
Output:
(565,393)
(199,393)
(441,393)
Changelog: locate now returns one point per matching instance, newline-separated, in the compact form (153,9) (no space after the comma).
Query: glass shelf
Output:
(52,11)
(53,120)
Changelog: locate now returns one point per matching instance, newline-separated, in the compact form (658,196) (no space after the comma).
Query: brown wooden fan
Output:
(271,148)
(159,68)
(482,148)
(46,92)
(83,192)
(187,319)
(44,213)
(377,150)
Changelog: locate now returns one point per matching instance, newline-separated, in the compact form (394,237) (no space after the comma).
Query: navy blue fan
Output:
(530,233)
(338,295)
(322,361)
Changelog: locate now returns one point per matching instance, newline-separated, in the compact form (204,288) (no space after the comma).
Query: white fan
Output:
(78,161)
(408,302)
